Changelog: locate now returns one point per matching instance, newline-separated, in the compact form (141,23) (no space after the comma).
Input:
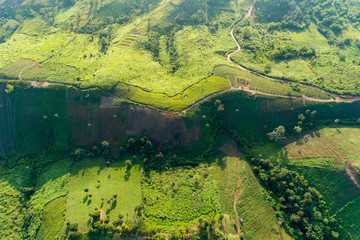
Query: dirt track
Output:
(352,173)
(335,97)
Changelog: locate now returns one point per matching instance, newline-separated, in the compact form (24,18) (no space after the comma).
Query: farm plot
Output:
(242,197)
(112,189)
(177,102)
(180,196)
(348,219)
(47,110)
(337,142)
(171,131)
(93,122)
(95,119)
(7,136)
(243,79)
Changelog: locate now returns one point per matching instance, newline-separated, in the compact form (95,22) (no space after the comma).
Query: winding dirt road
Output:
(336,98)
(353,174)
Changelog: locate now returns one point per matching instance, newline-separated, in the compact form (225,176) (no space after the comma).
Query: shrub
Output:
(277,134)
(74,227)
(95,215)
(128,163)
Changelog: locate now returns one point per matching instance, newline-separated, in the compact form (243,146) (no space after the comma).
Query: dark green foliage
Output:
(47,110)
(303,207)
(334,184)
(298,13)
(73,227)
(95,215)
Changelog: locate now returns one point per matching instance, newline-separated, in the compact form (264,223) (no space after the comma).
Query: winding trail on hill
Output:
(21,72)
(336,98)
(237,197)
(352,173)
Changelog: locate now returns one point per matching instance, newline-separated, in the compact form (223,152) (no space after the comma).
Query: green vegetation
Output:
(314,43)
(227,164)
(348,217)
(94,185)
(179,196)
(333,183)
(13,185)
(163,47)
(237,183)
(246,80)
(179,186)
(52,219)
(174,103)
(325,158)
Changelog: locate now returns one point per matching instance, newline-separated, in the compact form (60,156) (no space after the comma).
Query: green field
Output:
(236,182)
(52,219)
(180,196)
(178,102)
(51,183)
(348,217)
(337,142)
(102,183)
(246,80)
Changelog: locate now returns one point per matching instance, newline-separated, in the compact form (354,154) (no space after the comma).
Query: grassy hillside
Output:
(178,184)
(241,195)
(323,157)
(102,184)
(162,47)
(315,43)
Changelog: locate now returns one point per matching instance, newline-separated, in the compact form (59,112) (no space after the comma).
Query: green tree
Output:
(277,134)
(128,163)
(95,215)
(298,129)
(9,88)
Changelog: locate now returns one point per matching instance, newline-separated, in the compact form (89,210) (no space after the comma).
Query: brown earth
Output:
(93,123)
(352,173)
(230,148)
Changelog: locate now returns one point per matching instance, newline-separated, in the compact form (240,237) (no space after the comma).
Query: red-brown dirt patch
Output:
(91,125)
(95,121)
(230,148)
(168,130)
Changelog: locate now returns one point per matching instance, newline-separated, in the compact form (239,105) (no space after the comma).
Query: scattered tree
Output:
(9,88)
(298,129)
(277,134)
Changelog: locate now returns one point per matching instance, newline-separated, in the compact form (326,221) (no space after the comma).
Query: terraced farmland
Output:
(340,143)
(242,197)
